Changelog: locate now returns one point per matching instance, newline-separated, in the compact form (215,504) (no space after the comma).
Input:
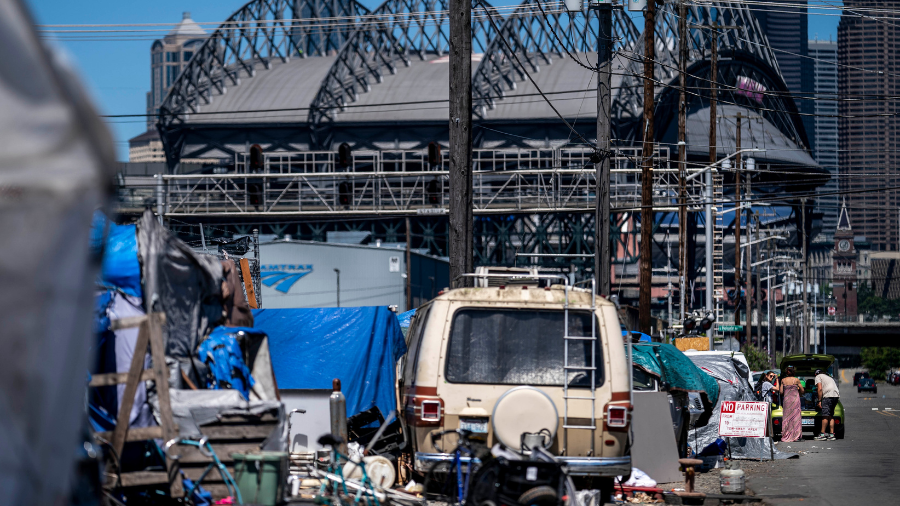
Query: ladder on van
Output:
(582,396)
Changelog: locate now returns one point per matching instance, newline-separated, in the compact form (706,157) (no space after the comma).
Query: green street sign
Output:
(730,328)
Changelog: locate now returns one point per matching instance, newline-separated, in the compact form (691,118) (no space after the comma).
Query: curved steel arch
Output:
(748,40)
(414,28)
(256,34)
(528,38)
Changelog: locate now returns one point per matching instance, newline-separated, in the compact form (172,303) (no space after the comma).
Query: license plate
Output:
(808,421)
(474,425)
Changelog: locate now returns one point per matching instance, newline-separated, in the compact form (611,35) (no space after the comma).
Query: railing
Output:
(402,182)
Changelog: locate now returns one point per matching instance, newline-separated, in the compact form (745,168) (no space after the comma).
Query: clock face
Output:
(844,245)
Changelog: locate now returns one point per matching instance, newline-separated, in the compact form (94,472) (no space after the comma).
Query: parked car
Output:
(859,375)
(469,346)
(805,367)
(893,378)
(867,384)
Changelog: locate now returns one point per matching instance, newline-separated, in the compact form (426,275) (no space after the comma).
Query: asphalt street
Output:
(860,469)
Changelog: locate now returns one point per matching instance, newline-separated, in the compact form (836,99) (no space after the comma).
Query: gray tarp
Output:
(56,168)
(193,409)
(187,286)
(731,375)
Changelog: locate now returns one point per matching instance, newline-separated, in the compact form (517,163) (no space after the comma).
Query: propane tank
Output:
(731,479)
(338,405)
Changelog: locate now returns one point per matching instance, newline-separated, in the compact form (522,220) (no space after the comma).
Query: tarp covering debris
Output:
(669,364)
(733,386)
(187,286)
(358,345)
(118,245)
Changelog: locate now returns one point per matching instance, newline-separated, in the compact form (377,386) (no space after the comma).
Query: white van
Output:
(469,346)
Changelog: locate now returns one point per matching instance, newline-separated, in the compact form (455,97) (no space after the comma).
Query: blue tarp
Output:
(644,338)
(358,345)
(121,268)
(405,318)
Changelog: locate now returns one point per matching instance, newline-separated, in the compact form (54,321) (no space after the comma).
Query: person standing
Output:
(828,397)
(792,420)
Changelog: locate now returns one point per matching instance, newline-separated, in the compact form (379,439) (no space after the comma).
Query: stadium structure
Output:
(321,116)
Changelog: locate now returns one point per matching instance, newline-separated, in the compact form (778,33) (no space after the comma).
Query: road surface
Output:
(863,468)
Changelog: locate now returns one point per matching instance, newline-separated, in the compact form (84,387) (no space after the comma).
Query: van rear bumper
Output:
(576,466)
(597,466)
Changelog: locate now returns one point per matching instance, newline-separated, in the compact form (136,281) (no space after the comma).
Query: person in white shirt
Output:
(828,397)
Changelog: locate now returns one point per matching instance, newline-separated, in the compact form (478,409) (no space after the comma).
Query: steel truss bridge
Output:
(531,195)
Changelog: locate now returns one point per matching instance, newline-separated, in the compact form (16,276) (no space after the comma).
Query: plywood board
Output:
(692,343)
(654,450)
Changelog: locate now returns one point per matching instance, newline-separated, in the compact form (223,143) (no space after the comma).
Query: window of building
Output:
(172,57)
(188,55)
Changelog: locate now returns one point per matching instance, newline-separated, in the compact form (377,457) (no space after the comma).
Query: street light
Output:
(338,271)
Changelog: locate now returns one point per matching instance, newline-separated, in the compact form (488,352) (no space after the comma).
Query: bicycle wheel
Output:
(440,482)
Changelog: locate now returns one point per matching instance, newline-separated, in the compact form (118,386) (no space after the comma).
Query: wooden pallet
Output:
(150,334)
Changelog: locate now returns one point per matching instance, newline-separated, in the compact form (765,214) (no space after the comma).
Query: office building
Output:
(168,56)
(868,125)
(825,74)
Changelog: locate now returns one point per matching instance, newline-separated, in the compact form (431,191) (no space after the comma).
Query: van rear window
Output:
(519,347)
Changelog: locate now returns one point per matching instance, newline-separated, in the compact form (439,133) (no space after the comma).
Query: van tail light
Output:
(431,411)
(617,417)
(422,411)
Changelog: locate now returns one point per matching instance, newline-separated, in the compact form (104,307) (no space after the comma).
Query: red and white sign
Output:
(831,311)
(743,419)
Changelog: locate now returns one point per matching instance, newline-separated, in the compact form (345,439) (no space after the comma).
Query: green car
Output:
(805,367)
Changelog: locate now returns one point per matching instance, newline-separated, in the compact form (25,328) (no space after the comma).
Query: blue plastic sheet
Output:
(121,268)
(405,318)
(358,345)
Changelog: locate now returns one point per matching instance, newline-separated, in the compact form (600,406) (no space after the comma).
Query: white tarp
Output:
(56,168)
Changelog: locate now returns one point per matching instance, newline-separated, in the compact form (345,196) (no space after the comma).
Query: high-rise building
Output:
(868,126)
(167,57)
(825,75)
(786,26)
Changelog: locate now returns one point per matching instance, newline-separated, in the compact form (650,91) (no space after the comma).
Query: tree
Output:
(879,360)
(757,359)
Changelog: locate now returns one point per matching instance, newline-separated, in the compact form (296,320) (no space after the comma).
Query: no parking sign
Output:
(743,419)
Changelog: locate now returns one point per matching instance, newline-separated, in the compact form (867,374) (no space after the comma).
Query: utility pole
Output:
(646,280)
(409,300)
(738,163)
(749,256)
(603,257)
(461,244)
(682,159)
(759,341)
(804,317)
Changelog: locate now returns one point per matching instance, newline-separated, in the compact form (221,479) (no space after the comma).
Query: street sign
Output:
(831,311)
(743,419)
(730,328)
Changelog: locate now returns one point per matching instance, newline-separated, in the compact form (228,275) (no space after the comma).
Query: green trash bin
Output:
(261,477)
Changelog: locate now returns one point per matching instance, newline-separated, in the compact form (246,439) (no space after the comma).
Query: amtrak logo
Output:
(283,276)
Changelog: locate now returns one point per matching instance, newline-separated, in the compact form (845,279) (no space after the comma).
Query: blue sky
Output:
(117,72)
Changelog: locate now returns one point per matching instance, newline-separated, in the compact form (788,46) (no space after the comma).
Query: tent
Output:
(358,345)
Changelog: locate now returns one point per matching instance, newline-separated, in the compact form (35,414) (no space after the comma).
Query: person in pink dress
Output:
(791,423)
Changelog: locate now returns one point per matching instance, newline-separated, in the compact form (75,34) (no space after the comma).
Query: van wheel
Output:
(541,496)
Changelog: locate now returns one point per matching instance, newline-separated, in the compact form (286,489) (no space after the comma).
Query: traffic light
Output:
(255,185)
(707,322)
(688,324)
(434,154)
(345,193)
(433,191)
(345,155)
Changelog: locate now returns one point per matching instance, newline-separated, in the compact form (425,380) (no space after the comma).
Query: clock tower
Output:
(844,270)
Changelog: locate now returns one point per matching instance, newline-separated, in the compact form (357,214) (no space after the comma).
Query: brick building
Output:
(869,129)
(845,273)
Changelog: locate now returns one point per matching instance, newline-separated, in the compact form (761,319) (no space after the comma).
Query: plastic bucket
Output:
(261,476)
